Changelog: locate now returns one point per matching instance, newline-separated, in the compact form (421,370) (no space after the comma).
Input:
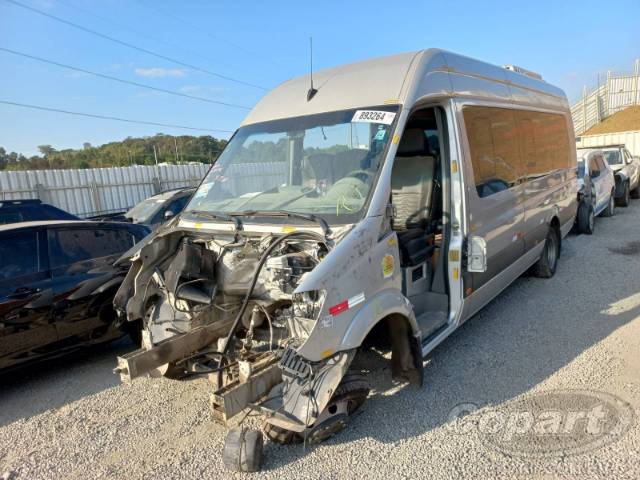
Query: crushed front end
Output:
(229,306)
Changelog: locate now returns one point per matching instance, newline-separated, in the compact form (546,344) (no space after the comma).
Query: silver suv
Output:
(626,169)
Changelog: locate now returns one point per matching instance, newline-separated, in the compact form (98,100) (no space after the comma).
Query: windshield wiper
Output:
(285,213)
(217,216)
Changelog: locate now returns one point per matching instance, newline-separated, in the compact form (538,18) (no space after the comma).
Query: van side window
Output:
(492,134)
(510,144)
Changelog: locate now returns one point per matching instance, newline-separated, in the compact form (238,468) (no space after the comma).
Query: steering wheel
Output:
(362,175)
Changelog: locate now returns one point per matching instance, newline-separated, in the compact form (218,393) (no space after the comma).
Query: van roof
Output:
(403,79)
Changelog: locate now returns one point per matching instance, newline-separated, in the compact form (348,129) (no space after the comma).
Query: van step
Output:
(429,322)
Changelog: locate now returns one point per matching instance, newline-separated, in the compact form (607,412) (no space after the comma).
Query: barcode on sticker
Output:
(373,116)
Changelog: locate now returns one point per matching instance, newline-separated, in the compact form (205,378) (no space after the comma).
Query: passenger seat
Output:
(411,187)
(412,181)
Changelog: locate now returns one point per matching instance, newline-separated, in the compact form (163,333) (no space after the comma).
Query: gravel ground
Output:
(580,330)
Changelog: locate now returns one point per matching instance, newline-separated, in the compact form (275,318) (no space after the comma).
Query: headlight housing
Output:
(308,304)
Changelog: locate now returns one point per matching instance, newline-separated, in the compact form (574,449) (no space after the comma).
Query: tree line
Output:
(130,151)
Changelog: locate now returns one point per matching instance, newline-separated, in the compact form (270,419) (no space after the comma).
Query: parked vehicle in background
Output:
(596,189)
(57,282)
(156,210)
(626,169)
(15,211)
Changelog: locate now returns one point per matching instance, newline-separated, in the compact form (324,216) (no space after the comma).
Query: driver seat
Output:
(412,181)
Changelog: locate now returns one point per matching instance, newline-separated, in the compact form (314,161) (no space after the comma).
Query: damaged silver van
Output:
(389,200)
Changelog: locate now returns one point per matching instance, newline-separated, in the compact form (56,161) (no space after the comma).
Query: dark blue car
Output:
(15,211)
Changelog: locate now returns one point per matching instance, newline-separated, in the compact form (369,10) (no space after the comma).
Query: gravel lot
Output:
(73,419)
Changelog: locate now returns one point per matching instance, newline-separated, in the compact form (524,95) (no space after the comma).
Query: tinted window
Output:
(177,205)
(492,134)
(506,145)
(10,217)
(18,254)
(76,245)
(613,157)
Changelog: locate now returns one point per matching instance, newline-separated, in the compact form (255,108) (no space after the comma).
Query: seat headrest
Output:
(413,142)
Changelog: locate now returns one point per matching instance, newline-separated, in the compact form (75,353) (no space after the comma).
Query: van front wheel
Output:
(545,267)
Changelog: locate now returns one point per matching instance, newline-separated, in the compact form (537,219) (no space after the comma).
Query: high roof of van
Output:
(403,79)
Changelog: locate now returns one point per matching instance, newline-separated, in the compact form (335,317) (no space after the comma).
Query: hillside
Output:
(130,151)
(622,121)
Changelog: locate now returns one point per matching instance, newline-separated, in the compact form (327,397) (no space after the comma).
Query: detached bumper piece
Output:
(253,382)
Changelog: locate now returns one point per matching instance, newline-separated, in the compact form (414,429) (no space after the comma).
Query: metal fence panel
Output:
(618,92)
(97,191)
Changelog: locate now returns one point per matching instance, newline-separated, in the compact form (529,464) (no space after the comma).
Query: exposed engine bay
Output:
(228,307)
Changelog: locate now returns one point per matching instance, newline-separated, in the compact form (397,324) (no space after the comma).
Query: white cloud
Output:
(191,88)
(161,72)
(202,88)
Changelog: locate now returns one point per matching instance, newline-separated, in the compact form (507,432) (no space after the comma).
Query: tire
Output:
(623,201)
(611,208)
(351,393)
(586,219)
(242,450)
(545,267)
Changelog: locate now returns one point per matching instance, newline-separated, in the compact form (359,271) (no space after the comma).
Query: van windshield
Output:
(323,164)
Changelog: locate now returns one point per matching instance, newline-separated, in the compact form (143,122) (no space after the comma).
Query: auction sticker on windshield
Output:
(373,116)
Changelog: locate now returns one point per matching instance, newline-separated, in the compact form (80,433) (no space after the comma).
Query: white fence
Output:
(97,191)
(630,139)
(618,91)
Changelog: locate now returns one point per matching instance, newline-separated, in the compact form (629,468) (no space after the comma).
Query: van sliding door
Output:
(494,189)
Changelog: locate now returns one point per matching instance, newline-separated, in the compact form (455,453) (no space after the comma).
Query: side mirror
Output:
(168,214)
(476,254)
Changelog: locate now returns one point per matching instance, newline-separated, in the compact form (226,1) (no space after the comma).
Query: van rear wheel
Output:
(545,267)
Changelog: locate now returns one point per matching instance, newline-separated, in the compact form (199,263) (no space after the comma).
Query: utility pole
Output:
(155,155)
(175,143)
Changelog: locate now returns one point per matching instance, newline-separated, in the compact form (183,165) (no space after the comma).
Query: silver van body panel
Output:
(403,79)
(360,279)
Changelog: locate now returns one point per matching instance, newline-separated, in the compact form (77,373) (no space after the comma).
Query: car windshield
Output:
(323,164)
(613,157)
(143,211)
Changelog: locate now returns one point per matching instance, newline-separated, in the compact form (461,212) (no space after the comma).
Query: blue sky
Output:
(264,43)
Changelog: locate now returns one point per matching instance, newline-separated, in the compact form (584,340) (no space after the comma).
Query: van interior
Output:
(419,187)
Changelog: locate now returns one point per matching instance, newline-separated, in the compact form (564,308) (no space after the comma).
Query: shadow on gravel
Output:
(51,384)
(529,332)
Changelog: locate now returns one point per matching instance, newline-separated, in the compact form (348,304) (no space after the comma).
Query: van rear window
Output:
(509,145)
